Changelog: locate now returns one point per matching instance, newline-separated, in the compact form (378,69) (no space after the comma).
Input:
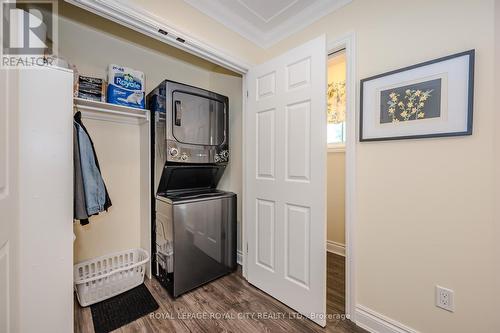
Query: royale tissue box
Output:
(125,86)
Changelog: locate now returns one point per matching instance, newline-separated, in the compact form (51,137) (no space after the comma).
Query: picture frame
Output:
(427,100)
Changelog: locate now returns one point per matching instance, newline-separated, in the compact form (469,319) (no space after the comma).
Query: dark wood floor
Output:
(233,297)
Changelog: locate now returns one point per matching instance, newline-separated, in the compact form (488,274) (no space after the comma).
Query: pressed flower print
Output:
(412,102)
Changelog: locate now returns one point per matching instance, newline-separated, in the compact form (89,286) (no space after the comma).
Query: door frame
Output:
(347,42)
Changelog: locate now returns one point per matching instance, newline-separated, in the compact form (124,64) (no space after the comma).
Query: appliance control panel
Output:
(189,154)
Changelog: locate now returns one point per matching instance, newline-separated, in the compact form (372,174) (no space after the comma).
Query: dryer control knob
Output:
(184,157)
(173,152)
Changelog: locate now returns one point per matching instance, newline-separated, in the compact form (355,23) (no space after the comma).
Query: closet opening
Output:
(336,181)
(121,238)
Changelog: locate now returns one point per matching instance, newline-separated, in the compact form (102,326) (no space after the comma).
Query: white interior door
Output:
(286,178)
(9,226)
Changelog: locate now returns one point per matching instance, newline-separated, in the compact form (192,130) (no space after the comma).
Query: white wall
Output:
(91,43)
(438,226)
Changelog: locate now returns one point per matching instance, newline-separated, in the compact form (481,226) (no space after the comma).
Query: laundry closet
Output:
(122,140)
(281,144)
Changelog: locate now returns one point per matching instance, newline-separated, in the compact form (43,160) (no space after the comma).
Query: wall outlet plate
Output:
(445,298)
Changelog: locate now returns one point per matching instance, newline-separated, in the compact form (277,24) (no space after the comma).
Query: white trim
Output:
(348,42)
(239,257)
(5,253)
(336,148)
(138,19)
(244,187)
(375,322)
(267,37)
(303,20)
(335,247)
(110,112)
(111,118)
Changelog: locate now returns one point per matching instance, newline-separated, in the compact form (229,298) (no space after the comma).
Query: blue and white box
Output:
(125,86)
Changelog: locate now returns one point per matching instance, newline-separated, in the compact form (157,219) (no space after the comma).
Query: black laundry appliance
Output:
(193,223)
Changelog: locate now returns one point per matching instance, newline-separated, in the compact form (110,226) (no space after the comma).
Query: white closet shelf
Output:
(108,111)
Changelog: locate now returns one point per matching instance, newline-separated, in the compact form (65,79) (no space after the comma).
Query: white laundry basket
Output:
(107,276)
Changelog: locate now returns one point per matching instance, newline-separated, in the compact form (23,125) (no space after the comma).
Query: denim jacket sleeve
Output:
(93,184)
(80,206)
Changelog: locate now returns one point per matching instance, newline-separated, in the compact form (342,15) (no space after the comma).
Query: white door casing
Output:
(45,199)
(9,228)
(286,178)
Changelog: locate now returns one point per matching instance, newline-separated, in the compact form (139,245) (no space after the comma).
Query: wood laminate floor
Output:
(237,307)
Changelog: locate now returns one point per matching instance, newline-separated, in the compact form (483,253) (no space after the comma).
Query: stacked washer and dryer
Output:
(193,223)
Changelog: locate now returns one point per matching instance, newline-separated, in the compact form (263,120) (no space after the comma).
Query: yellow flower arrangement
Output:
(336,94)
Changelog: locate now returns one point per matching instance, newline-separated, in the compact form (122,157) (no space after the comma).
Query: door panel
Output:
(266,85)
(297,231)
(265,143)
(265,234)
(299,73)
(286,178)
(298,143)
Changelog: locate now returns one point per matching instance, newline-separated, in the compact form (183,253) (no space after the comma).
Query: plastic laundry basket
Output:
(107,276)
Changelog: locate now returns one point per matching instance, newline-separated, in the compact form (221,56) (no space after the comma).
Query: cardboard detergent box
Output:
(125,86)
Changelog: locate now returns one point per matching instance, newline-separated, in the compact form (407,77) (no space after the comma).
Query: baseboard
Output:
(377,323)
(335,247)
(239,257)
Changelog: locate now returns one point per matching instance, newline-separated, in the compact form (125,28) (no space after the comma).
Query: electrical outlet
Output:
(444,298)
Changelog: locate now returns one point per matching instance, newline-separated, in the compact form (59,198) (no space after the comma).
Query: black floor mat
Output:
(122,309)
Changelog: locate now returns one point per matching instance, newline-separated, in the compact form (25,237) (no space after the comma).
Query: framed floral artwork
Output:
(431,99)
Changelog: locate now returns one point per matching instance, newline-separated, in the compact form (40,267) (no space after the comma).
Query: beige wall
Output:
(337,68)
(92,43)
(436,227)
(336,197)
(117,148)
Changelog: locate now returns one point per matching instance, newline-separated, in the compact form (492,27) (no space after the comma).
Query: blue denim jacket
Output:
(93,185)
